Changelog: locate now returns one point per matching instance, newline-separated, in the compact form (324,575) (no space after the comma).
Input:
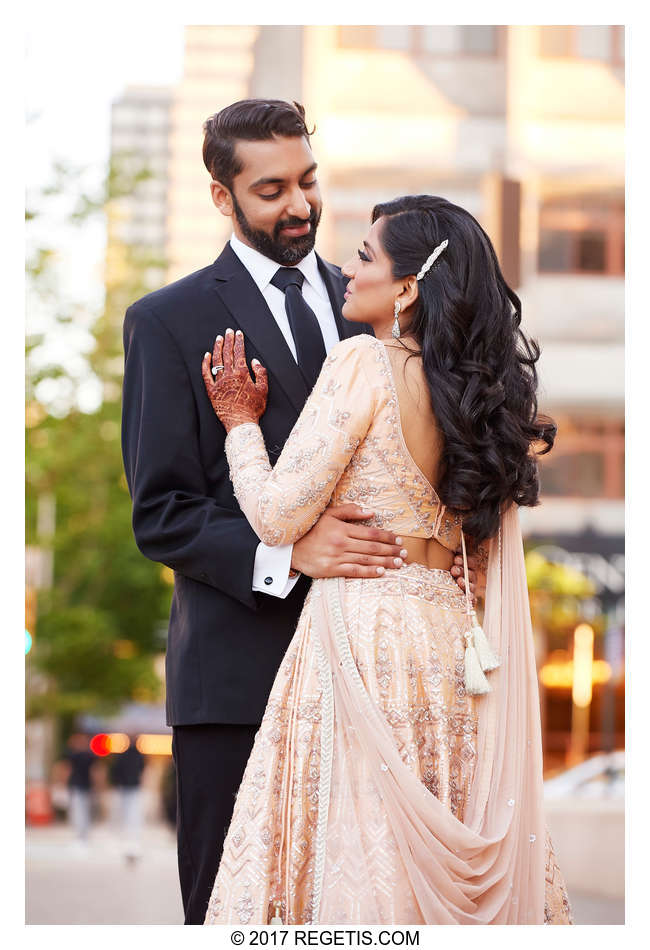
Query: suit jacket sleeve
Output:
(175,521)
(282,503)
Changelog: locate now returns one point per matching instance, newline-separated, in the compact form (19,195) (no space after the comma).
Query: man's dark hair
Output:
(249,120)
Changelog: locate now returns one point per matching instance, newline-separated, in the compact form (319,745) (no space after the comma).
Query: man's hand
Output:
(458,574)
(337,547)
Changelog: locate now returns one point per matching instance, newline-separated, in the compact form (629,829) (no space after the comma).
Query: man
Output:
(126,777)
(236,602)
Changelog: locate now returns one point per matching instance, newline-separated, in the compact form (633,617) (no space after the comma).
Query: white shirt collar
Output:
(262,269)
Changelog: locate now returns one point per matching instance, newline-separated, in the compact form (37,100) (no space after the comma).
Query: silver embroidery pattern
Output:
(326,748)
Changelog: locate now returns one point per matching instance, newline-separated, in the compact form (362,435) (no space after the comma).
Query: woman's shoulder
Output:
(357,360)
(356,349)
(352,374)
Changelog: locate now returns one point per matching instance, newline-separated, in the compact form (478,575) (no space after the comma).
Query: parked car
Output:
(601,776)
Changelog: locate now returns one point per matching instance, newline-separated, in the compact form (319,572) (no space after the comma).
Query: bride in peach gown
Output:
(396,777)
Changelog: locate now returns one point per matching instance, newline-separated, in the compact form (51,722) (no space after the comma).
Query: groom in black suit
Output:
(236,602)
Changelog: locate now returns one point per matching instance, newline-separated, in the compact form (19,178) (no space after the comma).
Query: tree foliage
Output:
(99,625)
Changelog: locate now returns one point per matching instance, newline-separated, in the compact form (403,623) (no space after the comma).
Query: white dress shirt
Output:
(272,564)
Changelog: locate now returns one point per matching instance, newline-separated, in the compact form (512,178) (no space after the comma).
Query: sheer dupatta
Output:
(488,869)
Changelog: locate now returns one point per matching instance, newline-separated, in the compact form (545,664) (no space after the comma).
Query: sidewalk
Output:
(67,886)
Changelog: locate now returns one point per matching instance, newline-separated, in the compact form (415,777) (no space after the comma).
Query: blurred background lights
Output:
(583,659)
(118,741)
(100,745)
(558,672)
(106,743)
(154,744)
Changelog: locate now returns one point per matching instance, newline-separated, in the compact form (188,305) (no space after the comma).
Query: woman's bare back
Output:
(422,436)
(419,427)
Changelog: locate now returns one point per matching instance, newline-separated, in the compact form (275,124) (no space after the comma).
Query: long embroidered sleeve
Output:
(282,503)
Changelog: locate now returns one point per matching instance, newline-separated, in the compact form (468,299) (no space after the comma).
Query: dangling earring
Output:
(396,330)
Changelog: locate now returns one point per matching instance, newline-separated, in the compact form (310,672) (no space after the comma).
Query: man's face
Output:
(275,200)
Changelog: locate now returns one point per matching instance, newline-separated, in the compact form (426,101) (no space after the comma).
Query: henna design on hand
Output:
(234,396)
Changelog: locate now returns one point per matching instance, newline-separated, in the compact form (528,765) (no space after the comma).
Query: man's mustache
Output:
(296,223)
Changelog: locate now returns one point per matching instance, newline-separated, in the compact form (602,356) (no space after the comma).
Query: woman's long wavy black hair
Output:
(478,363)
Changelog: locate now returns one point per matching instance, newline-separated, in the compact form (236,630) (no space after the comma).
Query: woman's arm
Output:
(284,502)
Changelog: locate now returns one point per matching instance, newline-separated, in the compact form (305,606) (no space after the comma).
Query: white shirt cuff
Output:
(271,570)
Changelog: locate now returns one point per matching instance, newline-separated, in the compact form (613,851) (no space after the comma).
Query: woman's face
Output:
(371,292)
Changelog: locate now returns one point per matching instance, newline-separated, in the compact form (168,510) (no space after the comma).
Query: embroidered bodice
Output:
(347,446)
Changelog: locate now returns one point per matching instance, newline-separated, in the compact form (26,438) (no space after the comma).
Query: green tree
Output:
(99,624)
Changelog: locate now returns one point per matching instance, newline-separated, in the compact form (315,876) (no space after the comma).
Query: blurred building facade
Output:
(140,139)
(521,125)
(217,66)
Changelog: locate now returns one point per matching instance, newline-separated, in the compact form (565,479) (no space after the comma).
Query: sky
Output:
(71,82)
(69,87)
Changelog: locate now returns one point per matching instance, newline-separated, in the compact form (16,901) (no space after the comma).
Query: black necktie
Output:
(303,322)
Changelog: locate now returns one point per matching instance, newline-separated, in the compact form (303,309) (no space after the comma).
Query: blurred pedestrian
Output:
(59,791)
(80,762)
(126,777)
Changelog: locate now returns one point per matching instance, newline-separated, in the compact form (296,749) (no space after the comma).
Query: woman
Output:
(396,777)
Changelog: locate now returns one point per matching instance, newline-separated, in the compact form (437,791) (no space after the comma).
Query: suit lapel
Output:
(250,313)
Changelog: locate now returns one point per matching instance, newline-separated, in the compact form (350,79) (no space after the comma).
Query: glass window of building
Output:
(555,251)
(452,40)
(594,42)
(439,39)
(394,37)
(605,43)
(582,234)
(479,39)
(587,460)
(577,474)
(591,251)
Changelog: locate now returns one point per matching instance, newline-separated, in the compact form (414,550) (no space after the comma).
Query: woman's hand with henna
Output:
(234,396)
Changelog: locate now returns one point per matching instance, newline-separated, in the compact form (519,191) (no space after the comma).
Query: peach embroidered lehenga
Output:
(377,790)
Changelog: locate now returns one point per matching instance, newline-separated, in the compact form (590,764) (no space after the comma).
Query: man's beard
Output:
(287,252)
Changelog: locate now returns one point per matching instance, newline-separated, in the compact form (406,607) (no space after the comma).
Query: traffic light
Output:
(105,743)
(100,744)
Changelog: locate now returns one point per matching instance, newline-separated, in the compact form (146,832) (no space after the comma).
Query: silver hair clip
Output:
(431,259)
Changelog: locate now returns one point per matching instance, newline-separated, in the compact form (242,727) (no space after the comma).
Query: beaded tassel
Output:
(486,656)
(479,657)
(475,680)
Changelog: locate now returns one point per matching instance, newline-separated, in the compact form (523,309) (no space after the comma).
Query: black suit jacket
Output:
(225,641)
